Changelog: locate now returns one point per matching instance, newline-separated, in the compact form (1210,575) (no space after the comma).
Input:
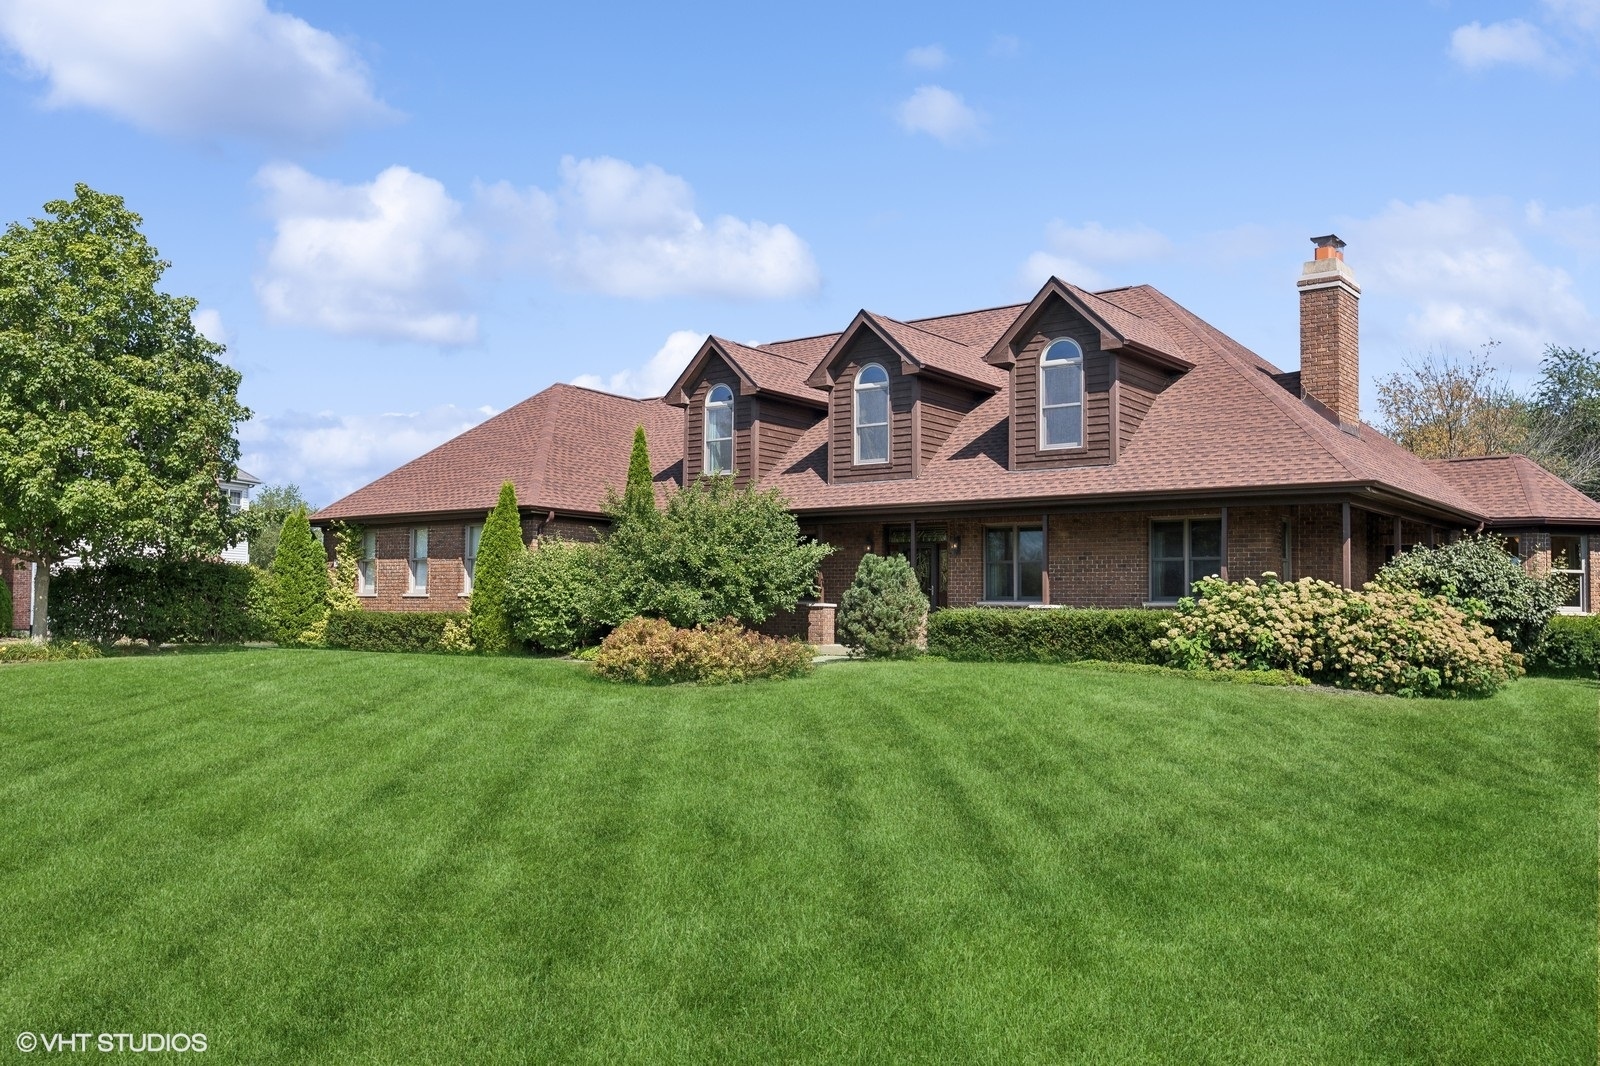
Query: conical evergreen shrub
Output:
(498,548)
(300,583)
(881,613)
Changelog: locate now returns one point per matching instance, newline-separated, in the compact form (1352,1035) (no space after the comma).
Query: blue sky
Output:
(400,219)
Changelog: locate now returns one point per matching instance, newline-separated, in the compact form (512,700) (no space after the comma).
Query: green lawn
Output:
(332,857)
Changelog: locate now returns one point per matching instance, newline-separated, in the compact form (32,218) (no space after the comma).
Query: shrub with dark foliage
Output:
(882,612)
(652,651)
(163,601)
(498,550)
(1009,635)
(1477,575)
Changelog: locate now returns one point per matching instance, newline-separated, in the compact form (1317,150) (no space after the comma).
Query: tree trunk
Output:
(41,603)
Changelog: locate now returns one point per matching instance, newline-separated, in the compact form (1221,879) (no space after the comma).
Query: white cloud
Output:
(382,259)
(1512,42)
(941,114)
(1004,46)
(193,68)
(1575,227)
(630,231)
(653,378)
(1463,268)
(398,257)
(1580,15)
(927,57)
(207,322)
(1077,254)
(330,455)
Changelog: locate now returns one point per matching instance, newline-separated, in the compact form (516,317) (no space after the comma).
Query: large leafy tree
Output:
(117,417)
(1564,430)
(1444,407)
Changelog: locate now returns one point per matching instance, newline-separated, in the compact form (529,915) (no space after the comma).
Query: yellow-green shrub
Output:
(651,651)
(1377,639)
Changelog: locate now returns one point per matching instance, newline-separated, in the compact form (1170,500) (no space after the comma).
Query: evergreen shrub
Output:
(407,631)
(1057,635)
(300,584)
(498,550)
(881,614)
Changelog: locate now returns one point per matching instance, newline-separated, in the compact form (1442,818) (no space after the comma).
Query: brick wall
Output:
(18,578)
(446,565)
(1329,357)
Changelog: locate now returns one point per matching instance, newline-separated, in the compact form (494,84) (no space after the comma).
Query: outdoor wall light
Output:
(955,545)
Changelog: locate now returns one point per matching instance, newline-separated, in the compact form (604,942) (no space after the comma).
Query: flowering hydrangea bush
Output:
(1378,639)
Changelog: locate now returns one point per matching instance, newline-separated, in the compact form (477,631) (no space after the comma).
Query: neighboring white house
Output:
(238,492)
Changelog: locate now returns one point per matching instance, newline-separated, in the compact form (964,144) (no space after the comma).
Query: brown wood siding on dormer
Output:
(1057,322)
(779,425)
(716,373)
(943,408)
(841,412)
(1138,385)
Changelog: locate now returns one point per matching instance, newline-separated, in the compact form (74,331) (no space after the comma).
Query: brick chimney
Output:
(1330,362)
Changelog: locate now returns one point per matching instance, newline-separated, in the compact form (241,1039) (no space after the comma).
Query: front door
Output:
(933,571)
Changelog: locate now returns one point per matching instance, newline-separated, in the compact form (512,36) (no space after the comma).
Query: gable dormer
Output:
(1083,374)
(743,409)
(895,393)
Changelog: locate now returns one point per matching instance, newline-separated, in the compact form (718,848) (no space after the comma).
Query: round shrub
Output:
(554,593)
(1478,576)
(882,612)
(1377,639)
(652,651)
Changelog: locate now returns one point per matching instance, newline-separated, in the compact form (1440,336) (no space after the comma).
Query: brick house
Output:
(1083,449)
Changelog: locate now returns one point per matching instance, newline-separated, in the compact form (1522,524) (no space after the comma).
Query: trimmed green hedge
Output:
(1570,647)
(1021,635)
(161,601)
(393,630)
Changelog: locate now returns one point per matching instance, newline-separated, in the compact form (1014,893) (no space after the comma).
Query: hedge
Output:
(161,601)
(1022,635)
(394,630)
(1570,647)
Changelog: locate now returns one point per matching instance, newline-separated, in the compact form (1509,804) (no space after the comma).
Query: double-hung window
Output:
(872,414)
(719,431)
(418,559)
(1013,564)
(469,554)
(367,568)
(1182,551)
(1569,555)
(1061,395)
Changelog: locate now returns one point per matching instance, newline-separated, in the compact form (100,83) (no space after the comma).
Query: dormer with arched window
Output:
(870,414)
(717,457)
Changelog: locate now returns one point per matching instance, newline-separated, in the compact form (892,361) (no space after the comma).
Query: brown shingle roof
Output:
(1513,489)
(561,448)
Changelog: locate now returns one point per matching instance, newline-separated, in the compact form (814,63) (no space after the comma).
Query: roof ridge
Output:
(757,348)
(598,392)
(547,436)
(1530,492)
(919,329)
(962,314)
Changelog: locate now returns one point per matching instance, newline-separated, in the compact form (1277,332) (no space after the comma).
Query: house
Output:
(19,575)
(1082,449)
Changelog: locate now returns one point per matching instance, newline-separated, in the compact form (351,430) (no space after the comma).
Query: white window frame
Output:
(471,538)
(1048,363)
(1581,573)
(367,567)
(1189,571)
(715,404)
(417,561)
(857,425)
(1014,546)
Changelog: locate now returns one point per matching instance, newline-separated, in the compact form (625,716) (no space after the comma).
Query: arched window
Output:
(1061,395)
(872,414)
(719,431)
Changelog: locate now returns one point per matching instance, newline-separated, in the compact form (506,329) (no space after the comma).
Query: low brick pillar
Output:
(810,621)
